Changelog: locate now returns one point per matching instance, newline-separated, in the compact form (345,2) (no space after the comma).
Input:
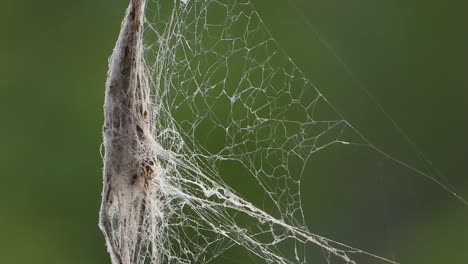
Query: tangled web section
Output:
(236,122)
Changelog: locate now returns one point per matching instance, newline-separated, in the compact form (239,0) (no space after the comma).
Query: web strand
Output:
(226,102)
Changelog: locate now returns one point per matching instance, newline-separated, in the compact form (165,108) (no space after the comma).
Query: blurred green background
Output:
(410,55)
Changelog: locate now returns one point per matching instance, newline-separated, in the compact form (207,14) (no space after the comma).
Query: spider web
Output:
(230,106)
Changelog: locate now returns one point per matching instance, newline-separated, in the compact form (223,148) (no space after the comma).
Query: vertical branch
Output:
(129,161)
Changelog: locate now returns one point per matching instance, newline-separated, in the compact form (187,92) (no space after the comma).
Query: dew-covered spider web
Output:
(231,106)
